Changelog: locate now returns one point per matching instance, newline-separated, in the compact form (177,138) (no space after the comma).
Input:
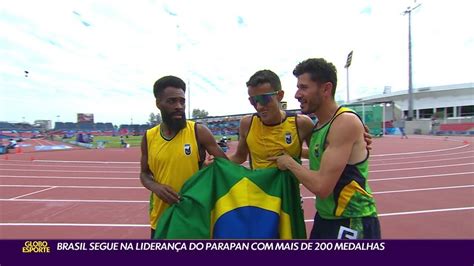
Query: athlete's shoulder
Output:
(347,120)
(153,129)
(304,118)
(246,119)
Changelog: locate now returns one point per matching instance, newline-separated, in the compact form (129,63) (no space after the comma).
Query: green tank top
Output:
(352,196)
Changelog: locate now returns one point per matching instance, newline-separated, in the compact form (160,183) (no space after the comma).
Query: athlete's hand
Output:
(167,194)
(282,161)
(209,159)
(367,137)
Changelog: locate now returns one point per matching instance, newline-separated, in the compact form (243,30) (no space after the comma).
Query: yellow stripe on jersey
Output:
(267,141)
(346,194)
(172,162)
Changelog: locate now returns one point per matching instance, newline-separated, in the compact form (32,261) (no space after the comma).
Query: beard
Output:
(173,123)
(309,110)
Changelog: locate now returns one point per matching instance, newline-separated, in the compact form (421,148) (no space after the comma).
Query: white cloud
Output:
(103,57)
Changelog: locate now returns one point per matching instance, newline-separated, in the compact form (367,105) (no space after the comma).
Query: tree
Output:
(154,119)
(197,113)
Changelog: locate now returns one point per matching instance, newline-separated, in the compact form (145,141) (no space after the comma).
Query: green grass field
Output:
(134,141)
(231,137)
(114,142)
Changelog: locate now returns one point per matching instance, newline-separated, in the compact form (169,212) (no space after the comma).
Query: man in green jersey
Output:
(338,158)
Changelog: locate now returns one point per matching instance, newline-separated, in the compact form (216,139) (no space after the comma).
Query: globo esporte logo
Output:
(36,247)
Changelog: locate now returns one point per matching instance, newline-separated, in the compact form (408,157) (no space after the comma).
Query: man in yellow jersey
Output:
(174,150)
(271,131)
(338,157)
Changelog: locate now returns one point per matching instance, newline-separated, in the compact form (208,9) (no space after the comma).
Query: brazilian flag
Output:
(229,201)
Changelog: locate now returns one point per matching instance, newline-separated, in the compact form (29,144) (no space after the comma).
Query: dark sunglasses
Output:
(262,99)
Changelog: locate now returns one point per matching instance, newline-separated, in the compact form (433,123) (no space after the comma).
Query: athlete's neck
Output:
(277,119)
(326,112)
(166,131)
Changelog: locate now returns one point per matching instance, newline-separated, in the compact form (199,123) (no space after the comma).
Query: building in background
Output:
(451,103)
(43,124)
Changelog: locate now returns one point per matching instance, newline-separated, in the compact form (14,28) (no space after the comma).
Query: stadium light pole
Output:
(348,64)
(410,74)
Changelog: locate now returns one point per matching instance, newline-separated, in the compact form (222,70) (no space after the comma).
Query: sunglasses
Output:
(262,99)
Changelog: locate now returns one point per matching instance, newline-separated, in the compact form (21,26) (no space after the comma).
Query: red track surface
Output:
(424,188)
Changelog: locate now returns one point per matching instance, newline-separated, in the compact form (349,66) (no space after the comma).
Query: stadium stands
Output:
(455,129)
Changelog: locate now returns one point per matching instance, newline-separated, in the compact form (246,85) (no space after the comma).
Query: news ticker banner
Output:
(126,252)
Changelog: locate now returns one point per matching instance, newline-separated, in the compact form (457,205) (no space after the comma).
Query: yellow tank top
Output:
(266,141)
(172,162)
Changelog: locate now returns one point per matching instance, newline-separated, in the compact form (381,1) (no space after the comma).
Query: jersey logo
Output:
(346,233)
(316,150)
(288,138)
(187,149)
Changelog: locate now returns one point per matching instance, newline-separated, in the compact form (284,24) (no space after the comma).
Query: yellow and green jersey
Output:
(265,141)
(352,196)
(172,162)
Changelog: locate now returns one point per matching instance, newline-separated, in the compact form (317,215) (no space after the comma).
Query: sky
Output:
(103,57)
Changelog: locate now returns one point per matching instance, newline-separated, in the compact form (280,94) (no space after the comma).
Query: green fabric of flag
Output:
(229,201)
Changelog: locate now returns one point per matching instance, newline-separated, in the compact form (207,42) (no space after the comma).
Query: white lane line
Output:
(78,201)
(37,142)
(102,178)
(49,142)
(419,152)
(424,161)
(69,177)
(414,212)
(423,167)
(145,201)
(308,197)
(443,138)
(81,187)
(426,211)
(32,193)
(424,156)
(418,176)
(91,162)
(406,190)
(74,224)
(70,171)
(421,189)
(147,225)
(71,166)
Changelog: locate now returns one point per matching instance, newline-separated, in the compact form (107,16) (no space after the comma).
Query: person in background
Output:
(401,127)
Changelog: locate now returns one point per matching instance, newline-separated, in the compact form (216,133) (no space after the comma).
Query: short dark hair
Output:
(165,82)
(265,76)
(320,71)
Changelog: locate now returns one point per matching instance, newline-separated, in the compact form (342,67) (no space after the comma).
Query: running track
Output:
(423,186)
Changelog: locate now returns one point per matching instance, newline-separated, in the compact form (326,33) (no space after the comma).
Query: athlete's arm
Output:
(305,128)
(164,192)
(345,131)
(206,140)
(242,151)
(367,137)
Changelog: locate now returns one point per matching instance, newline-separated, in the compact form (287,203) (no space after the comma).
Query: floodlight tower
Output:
(410,75)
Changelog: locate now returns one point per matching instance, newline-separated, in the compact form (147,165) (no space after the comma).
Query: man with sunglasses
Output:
(270,131)
(338,157)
